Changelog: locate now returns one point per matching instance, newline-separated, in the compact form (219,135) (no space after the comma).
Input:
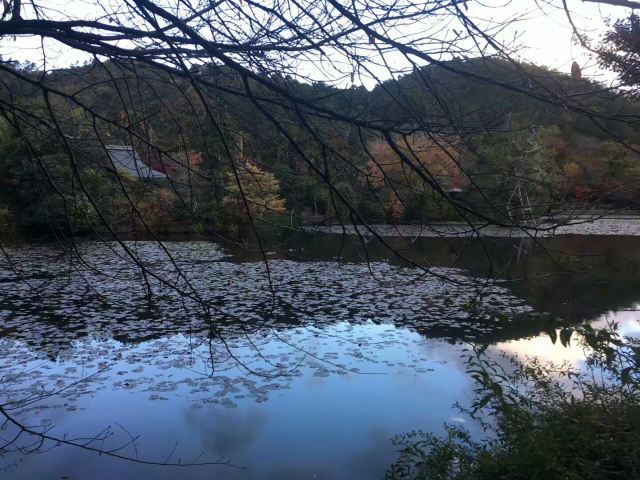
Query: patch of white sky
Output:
(547,37)
(537,31)
(544,348)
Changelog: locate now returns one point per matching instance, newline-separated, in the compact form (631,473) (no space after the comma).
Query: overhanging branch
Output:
(617,3)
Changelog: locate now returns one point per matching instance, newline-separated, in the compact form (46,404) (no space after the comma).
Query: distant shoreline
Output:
(610,225)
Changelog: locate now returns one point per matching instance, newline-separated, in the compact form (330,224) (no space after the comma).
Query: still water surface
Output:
(310,383)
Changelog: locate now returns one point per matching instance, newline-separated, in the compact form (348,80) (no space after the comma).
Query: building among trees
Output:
(126,161)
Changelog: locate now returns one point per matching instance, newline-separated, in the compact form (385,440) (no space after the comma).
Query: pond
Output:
(302,367)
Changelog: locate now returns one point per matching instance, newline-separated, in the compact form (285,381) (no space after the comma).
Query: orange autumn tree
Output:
(403,188)
(257,189)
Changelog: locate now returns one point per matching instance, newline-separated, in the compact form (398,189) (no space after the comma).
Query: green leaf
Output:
(482,403)
(565,336)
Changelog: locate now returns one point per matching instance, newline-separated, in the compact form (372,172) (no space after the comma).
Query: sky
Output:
(543,32)
(547,37)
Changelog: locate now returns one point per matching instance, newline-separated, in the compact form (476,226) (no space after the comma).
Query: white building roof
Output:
(126,160)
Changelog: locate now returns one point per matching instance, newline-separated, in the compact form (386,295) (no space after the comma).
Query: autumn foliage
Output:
(255,189)
(411,168)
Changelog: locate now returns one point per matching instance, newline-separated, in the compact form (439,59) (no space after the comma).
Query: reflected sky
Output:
(313,392)
(545,348)
(323,420)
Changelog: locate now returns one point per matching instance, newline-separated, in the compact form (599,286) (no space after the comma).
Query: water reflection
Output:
(572,349)
(271,425)
(575,277)
(312,385)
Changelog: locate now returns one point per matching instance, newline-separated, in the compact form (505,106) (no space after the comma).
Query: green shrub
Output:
(543,421)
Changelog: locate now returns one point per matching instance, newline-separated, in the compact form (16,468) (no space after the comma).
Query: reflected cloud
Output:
(575,352)
(543,348)
(224,434)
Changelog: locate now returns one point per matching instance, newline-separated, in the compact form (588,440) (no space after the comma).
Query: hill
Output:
(476,138)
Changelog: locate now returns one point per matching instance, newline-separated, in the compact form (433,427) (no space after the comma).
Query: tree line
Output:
(529,157)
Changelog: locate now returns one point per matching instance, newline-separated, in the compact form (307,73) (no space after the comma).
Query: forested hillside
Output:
(482,143)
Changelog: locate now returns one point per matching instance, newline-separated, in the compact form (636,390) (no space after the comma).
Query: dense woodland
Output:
(483,144)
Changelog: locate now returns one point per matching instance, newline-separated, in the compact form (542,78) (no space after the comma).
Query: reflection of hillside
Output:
(60,305)
(608,278)
(575,277)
